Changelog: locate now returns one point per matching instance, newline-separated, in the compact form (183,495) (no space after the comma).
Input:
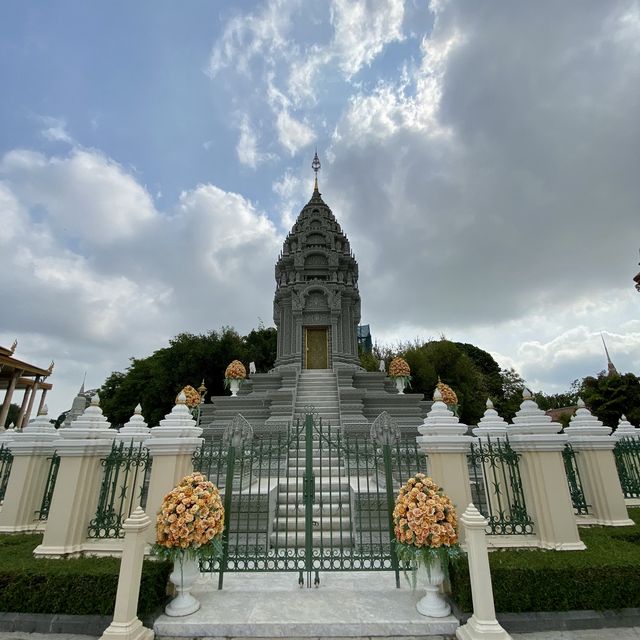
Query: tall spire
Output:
(315,165)
(611,370)
(81,392)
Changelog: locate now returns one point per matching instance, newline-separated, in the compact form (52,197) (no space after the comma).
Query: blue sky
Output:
(482,158)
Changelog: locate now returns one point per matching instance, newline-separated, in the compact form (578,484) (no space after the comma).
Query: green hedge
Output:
(69,586)
(605,576)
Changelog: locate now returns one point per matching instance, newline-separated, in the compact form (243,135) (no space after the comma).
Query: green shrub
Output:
(69,586)
(604,576)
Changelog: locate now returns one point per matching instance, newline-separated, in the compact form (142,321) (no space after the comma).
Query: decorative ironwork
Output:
(627,456)
(580,506)
(6,461)
(307,500)
(496,487)
(121,490)
(49,487)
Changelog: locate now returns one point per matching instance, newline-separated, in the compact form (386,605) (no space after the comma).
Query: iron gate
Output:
(308,498)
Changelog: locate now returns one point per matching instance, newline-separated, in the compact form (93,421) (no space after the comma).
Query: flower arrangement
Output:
(400,372)
(425,524)
(192,397)
(449,396)
(235,371)
(399,368)
(190,520)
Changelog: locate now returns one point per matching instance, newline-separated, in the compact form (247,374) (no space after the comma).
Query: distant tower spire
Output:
(81,392)
(315,165)
(611,369)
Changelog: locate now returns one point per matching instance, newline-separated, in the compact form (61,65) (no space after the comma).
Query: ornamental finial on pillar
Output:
(315,165)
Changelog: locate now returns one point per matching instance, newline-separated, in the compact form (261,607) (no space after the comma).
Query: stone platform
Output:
(272,605)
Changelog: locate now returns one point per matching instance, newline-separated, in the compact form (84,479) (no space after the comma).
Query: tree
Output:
(449,362)
(610,397)
(155,381)
(512,388)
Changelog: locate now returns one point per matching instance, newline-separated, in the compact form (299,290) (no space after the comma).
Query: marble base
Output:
(353,605)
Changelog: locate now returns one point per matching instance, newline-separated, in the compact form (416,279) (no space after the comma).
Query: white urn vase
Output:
(433,603)
(234,386)
(400,385)
(186,572)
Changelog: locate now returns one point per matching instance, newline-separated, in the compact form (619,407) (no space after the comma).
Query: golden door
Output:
(316,348)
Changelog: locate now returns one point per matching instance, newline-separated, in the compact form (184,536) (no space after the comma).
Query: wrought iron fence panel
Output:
(496,487)
(121,489)
(49,487)
(307,500)
(6,461)
(579,502)
(627,456)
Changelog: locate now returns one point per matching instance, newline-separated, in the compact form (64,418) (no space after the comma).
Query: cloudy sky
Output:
(483,158)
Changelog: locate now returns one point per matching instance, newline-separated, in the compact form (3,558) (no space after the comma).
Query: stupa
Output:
(316,310)
(317,304)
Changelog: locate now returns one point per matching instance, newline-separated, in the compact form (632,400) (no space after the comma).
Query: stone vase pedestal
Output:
(433,603)
(186,572)
(400,385)
(234,386)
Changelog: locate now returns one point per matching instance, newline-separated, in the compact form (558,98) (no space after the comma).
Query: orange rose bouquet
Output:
(449,396)
(191,520)
(192,396)
(399,370)
(235,371)
(425,524)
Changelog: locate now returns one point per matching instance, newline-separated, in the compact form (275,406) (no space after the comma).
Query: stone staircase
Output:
(318,388)
(331,511)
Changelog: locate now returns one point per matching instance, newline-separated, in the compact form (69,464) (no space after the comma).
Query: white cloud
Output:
(247,147)
(362,30)
(204,263)
(293,134)
(85,195)
(261,34)
(55,130)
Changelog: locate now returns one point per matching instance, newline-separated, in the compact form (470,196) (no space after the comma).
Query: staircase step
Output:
(319,538)
(319,523)
(323,472)
(321,497)
(326,508)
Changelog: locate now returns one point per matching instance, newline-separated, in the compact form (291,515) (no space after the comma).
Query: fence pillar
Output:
(544,480)
(444,441)
(31,449)
(593,445)
(482,625)
(625,429)
(171,446)
(126,625)
(81,447)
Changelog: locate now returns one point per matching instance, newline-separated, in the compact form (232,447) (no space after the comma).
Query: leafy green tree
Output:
(368,360)
(445,359)
(609,397)
(512,388)
(155,381)
(489,368)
